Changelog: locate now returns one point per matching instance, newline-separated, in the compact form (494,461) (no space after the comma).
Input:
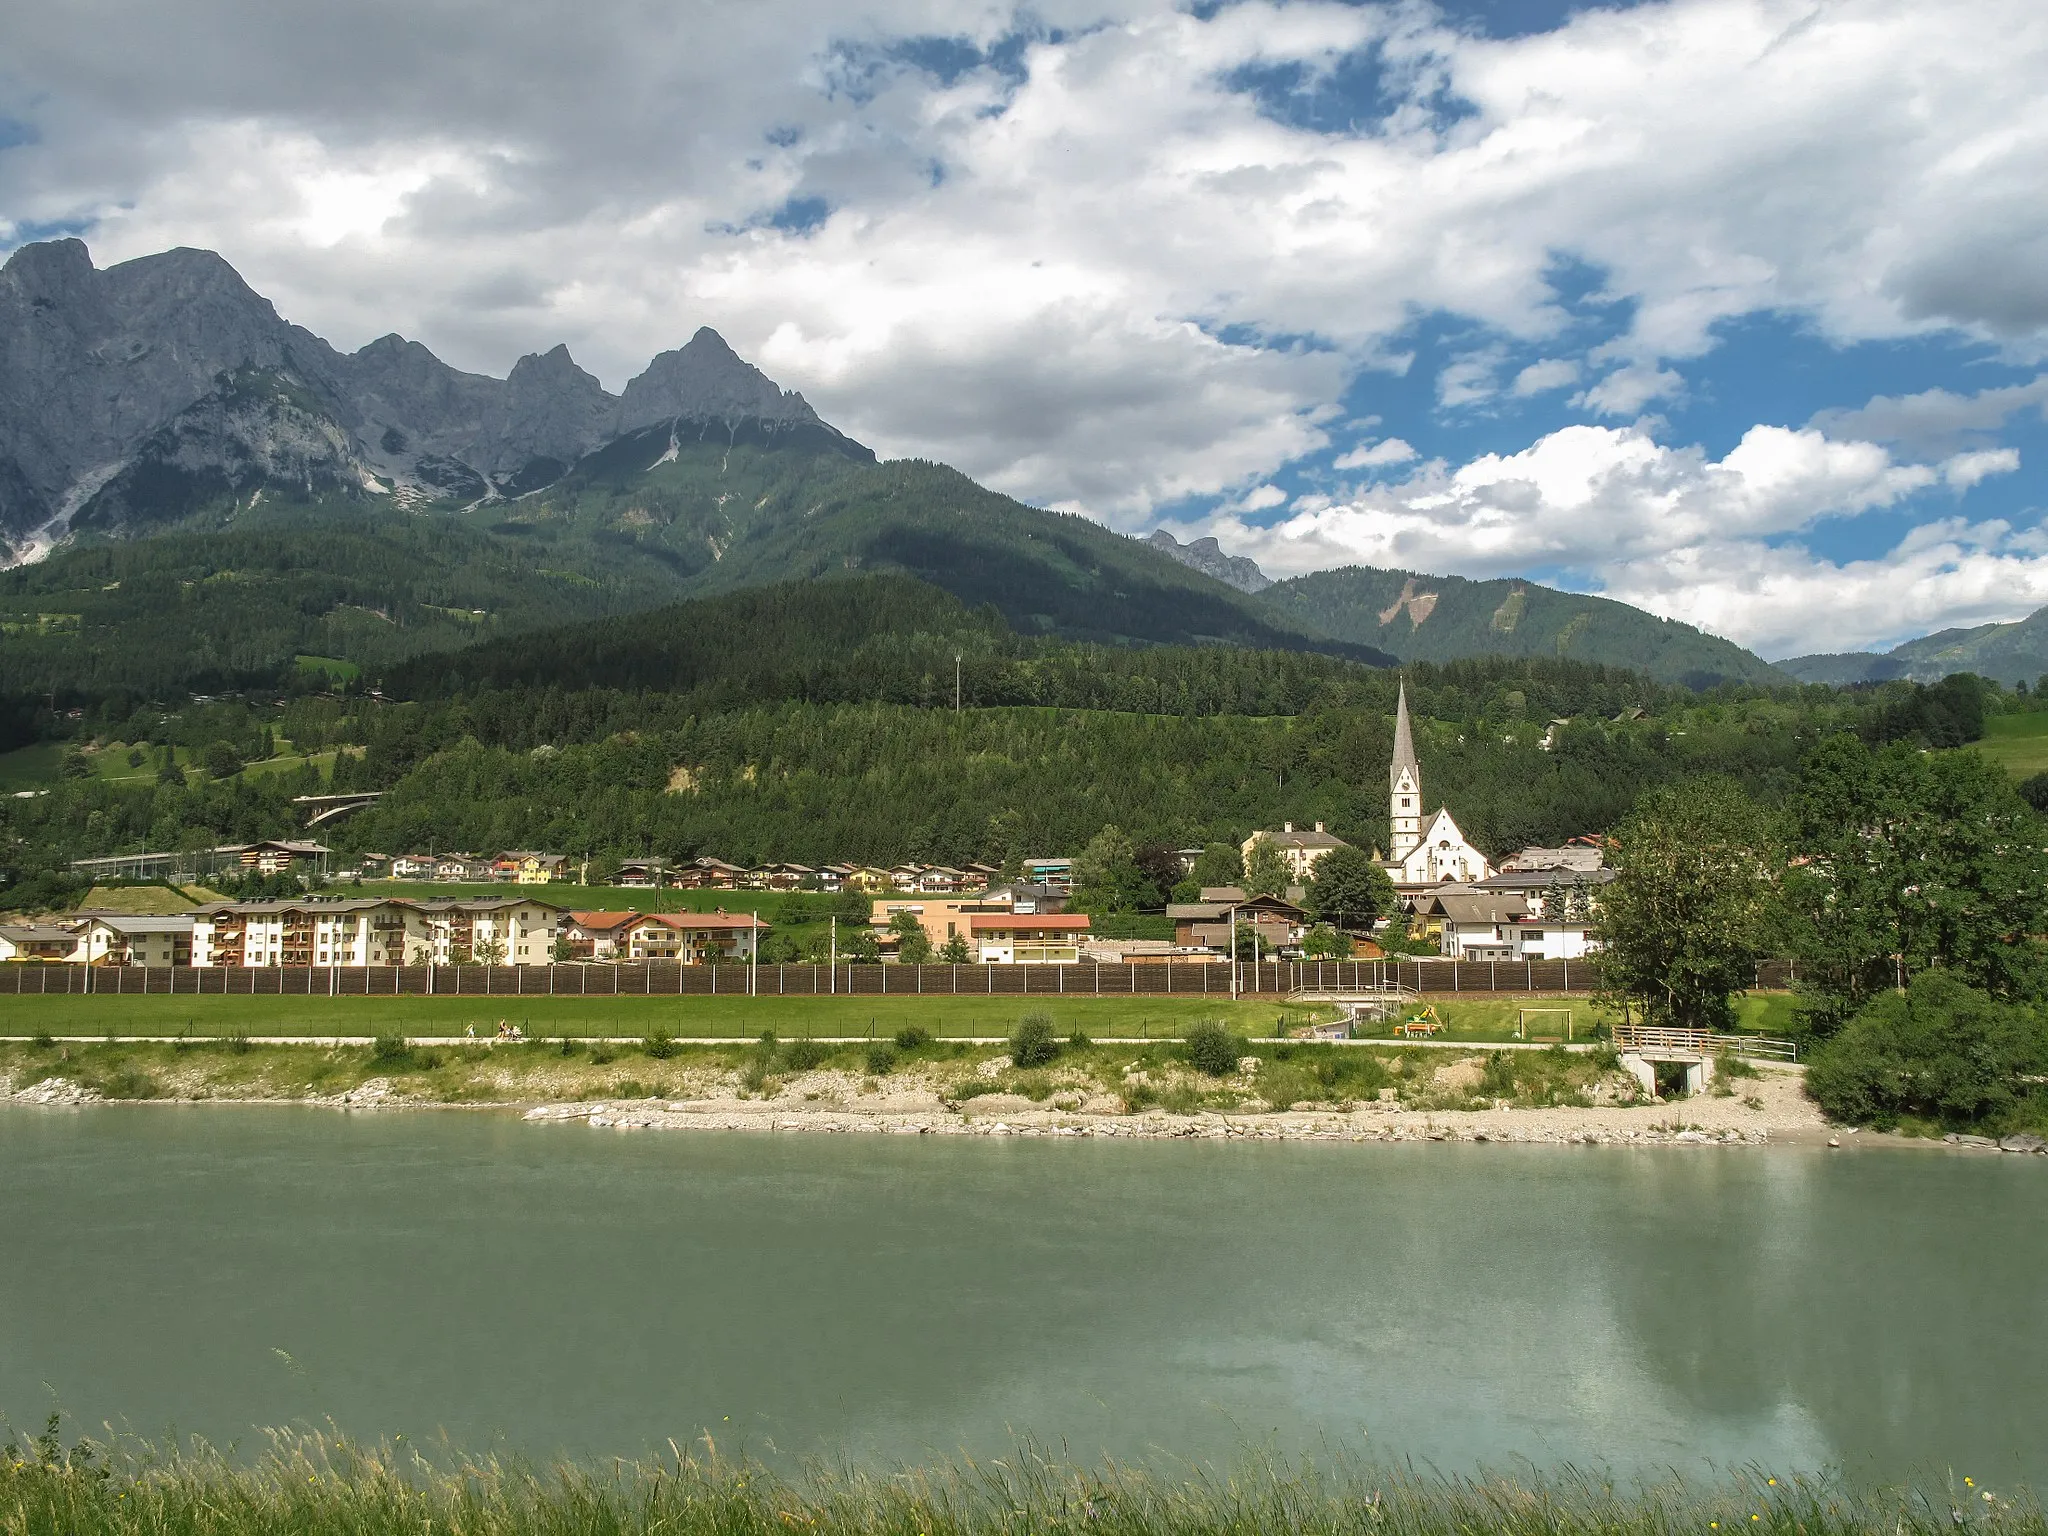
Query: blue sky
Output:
(1731,308)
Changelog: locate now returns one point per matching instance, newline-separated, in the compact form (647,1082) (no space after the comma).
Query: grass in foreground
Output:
(314,1486)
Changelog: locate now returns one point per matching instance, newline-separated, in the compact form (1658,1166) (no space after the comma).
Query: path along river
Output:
(547,1288)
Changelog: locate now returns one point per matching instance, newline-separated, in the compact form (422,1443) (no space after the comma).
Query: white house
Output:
(514,930)
(121,938)
(37,942)
(1301,851)
(1042,938)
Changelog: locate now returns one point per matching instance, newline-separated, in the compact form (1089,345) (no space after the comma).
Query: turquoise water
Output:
(550,1288)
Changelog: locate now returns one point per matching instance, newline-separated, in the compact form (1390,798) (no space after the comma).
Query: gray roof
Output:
(1404,742)
(1481,909)
(133,922)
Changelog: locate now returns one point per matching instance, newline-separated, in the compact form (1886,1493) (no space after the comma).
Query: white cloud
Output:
(1547,374)
(1391,450)
(1031,273)
(1711,541)
(1966,469)
(1626,391)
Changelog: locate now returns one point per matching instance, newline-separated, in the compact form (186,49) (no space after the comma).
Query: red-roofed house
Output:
(595,935)
(691,937)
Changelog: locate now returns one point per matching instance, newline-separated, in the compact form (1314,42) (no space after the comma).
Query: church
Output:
(1422,852)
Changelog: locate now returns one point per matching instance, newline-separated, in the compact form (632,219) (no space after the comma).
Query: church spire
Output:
(1404,744)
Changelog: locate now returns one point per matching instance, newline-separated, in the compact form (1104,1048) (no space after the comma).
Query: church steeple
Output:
(1404,785)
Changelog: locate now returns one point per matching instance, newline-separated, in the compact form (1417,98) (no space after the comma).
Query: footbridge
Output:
(1644,1047)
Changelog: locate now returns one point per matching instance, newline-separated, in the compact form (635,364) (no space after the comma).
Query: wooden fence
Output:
(654,978)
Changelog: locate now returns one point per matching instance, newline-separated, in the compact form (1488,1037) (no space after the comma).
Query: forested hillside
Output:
(815,720)
(1437,618)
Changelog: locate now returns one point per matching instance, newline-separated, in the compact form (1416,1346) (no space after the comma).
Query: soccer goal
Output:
(1524,1015)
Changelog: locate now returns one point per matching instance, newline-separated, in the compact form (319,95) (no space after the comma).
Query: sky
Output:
(1733,309)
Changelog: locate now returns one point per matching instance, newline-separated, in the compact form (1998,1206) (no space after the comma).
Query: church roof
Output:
(1404,744)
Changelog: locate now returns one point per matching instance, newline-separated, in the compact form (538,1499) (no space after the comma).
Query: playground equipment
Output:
(1523,1015)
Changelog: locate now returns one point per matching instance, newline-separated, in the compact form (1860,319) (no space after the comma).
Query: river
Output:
(551,1288)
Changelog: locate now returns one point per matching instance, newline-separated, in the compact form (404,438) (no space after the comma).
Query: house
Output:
(642,874)
(37,942)
(834,878)
(867,879)
(945,916)
(1477,925)
(1056,873)
(705,873)
(905,876)
(1205,924)
(1040,938)
(541,868)
(1422,851)
(413,866)
(939,880)
(120,938)
(694,938)
(508,930)
(785,876)
(274,856)
(466,868)
(1300,850)
(595,935)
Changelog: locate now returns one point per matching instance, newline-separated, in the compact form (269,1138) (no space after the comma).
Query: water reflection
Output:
(550,1288)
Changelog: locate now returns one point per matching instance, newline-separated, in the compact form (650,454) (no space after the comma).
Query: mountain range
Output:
(195,492)
(2011,653)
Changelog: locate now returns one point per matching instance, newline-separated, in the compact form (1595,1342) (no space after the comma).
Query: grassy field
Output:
(1481,1021)
(312,1486)
(2017,743)
(737,1018)
(139,900)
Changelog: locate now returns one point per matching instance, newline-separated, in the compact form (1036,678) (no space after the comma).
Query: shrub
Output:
(660,1042)
(239,1043)
(628,1088)
(804,1055)
(1034,1044)
(43,1041)
(1941,1049)
(754,1075)
(912,1037)
(130,1083)
(391,1051)
(602,1055)
(1212,1048)
(1498,1077)
(1079,1040)
(881,1057)
(1139,1096)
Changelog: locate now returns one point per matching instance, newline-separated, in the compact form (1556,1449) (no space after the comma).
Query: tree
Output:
(562,951)
(1907,861)
(913,944)
(1220,864)
(1685,918)
(1265,870)
(1325,943)
(1107,877)
(1349,889)
(857,946)
(490,952)
(76,765)
(1556,903)
(1941,1049)
(222,760)
(955,951)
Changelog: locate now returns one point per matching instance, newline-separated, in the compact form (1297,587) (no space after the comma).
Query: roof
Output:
(1543,879)
(602,919)
(37,933)
(1481,909)
(1065,922)
(281,844)
(1404,742)
(130,922)
(1572,856)
(721,921)
(1234,896)
(1287,837)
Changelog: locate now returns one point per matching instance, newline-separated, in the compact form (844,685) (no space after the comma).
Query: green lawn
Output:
(2017,743)
(30,767)
(723,1017)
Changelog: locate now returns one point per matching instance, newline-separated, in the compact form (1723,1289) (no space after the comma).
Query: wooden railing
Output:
(1701,1042)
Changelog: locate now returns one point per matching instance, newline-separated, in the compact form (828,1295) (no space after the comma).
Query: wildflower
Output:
(1969,1482)
(1772,1481)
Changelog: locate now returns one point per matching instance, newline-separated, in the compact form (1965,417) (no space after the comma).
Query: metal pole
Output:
(833,988)
(1233,953)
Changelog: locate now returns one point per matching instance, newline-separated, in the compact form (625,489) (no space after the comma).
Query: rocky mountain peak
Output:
(707,381)
(1207,556)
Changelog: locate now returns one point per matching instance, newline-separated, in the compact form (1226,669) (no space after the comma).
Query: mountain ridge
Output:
(2009,653)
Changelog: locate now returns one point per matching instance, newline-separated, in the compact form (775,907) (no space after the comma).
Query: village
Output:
(1449,898)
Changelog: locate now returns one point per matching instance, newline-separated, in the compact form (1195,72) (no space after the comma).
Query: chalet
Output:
(1477,925)
(1041,938)
(939,880)
(1205,925)
(833,878)
(413,866)
(1301,850)
(530,868)
(785,876)
(867,879)
(595,935)
(694,938)
(37,942)
(464,868)
(705,873)
(642,874)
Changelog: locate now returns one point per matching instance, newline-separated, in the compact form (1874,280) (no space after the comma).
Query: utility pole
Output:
(754,956)
(956,682)
(832,969)
(1233,951)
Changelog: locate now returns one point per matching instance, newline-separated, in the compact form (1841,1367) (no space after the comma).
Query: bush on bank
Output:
(1940,1051)
(313,1486)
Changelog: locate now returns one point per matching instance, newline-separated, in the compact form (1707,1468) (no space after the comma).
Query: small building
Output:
(1041,938)
(705,873)
(463,868)
(275,856)
(943,917)
(1205,924)
(413,866)
(1477,925)
(33,942)
(122,938)
(1301,850)
(693,938)
(1055,873)
(530,868)
(642,874)
(595,935)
